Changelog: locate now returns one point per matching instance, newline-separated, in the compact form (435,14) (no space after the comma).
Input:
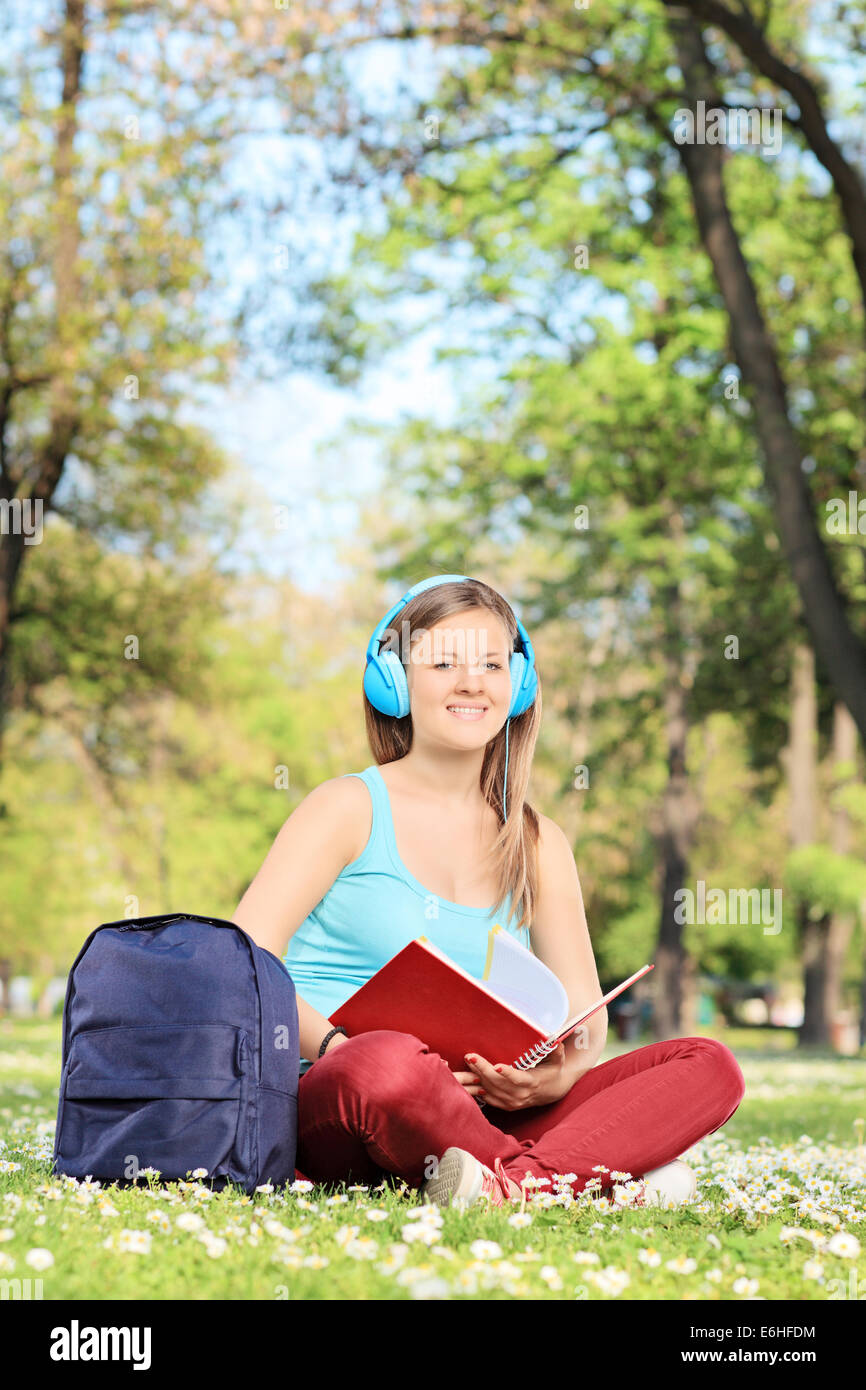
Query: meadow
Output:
(780,1212)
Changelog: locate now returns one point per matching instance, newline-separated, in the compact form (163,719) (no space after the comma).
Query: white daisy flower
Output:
(39,1258)
(844,1244)
(486,1250)
(364,1248)
(429,1288)
(189,1221)
(421,1231)
(749,1287)
(134,1242)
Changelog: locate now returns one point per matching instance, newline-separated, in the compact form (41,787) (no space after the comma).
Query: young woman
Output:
(423,841)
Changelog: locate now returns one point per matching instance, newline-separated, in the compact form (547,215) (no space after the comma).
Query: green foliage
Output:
(826,882)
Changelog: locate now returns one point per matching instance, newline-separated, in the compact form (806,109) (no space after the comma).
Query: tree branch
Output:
(847,182)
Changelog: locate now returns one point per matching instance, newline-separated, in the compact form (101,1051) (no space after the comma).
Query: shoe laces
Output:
(495,1184)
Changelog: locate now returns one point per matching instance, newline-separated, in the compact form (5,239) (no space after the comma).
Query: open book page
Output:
(566,1027)
(526,1002)
(520,979)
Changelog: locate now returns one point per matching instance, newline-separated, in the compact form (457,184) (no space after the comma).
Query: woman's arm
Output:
(312,1028)
(560,938)
(311,849)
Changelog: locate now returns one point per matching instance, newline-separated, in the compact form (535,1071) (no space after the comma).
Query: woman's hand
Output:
(509,1088)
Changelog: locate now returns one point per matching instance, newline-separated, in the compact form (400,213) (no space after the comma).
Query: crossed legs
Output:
(383,1103)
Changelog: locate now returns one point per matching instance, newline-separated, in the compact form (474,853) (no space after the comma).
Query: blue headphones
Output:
(387,689)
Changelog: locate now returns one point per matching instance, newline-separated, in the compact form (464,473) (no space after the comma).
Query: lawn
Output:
(780,1212)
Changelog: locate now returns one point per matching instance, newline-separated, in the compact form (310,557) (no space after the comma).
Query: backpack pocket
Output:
(277,1126)
(170,1098)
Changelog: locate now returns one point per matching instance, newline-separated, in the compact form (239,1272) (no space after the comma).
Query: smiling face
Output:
(458,676)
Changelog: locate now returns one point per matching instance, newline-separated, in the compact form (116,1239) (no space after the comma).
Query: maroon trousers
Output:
(382,1103)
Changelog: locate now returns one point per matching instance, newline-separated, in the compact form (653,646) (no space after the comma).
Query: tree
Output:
(537,79)
(117,314)
(837,640)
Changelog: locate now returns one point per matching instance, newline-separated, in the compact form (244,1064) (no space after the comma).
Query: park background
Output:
(300,304)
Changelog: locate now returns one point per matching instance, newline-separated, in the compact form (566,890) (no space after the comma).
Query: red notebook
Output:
(515,1014)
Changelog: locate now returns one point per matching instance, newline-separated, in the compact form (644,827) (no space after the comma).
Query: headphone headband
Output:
(387,689)
(523,644)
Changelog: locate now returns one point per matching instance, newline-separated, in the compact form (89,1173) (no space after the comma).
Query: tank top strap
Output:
(378,846)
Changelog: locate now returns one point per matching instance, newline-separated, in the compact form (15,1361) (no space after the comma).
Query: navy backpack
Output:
(180,1051)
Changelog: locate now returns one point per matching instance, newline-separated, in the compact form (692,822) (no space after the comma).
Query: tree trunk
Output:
(802,770)
(739,25)
(690,996)
(815,1028)
(841,924)
(833,637)
(674,843)
(62,406)
(802,766)
(678,821)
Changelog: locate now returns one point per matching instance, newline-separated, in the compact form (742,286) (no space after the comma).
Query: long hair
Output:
(514,854)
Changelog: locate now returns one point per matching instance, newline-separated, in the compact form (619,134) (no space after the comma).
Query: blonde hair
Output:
(514,853)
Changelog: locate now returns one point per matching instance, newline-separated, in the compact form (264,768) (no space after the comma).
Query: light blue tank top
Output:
(372,910)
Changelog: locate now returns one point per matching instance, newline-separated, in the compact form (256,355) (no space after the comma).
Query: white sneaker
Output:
(668,1186)
(461,1177)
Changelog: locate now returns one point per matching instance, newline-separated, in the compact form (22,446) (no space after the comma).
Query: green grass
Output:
(796,1127)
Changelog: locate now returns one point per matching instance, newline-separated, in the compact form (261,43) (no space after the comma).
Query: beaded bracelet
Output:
(328,1036)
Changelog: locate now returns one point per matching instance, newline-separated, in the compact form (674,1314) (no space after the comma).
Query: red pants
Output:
(382,1103)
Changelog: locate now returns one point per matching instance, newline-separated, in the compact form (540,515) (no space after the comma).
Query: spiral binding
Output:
(534,1055)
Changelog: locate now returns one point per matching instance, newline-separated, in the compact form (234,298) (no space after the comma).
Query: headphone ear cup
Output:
(385,685)
(521,698)
(516,668)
